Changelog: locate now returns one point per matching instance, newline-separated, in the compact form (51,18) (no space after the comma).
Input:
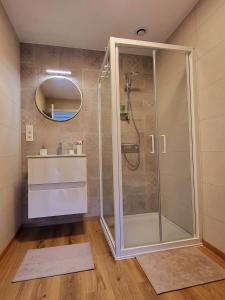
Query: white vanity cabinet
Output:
(57,185)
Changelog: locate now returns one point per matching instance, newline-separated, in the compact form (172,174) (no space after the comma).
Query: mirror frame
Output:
(75,85)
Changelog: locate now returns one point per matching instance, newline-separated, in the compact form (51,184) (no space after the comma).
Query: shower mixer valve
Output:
(130,148)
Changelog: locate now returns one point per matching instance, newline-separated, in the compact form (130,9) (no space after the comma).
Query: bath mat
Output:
(179,268)
(52,261)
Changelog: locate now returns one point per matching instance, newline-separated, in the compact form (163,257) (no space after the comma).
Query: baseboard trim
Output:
(10,243)
(214,249)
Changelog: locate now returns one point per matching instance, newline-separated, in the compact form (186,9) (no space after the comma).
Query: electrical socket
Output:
(29,133)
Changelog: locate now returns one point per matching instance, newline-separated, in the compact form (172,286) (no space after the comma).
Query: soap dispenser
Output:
(59,150)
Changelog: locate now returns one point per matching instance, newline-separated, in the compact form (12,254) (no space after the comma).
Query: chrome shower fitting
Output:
(130,117)
(105,71)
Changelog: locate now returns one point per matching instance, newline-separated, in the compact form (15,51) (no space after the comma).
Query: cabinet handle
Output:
(164,143)
(153,143)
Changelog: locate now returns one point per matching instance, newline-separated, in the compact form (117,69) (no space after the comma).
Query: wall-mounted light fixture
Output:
(58,72)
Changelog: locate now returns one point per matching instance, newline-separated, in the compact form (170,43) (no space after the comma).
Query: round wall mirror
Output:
(58,98)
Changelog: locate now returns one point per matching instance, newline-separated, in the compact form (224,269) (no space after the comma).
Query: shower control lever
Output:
(164,143)
(153,143)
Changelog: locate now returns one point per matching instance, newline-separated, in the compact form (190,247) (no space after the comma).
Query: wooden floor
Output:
(110,280)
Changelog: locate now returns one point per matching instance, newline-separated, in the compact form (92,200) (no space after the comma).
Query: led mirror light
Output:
(61,72)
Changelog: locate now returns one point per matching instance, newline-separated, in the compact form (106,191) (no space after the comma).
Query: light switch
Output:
(29,133)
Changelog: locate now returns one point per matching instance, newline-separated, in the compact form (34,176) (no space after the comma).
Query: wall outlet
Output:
(29,133)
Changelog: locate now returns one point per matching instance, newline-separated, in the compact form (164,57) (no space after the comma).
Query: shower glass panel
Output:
(175,161)
(105,108)
(148,160)
(141,220)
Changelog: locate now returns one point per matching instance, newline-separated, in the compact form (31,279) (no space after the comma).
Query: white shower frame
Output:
(117,244)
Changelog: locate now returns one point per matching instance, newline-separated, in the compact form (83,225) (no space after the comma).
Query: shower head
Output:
(128,79)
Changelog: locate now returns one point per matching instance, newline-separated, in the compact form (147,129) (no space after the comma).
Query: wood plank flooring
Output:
(116,280)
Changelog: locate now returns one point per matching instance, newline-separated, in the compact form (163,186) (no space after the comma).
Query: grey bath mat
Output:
(53,261)
(179,268)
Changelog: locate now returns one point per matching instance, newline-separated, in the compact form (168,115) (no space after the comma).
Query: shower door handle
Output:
(164,143)
(153,143)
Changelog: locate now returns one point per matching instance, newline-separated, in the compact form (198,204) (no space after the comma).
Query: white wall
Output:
(204,29)
(10,134)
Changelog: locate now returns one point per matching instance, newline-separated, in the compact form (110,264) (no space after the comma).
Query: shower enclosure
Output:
(148,164)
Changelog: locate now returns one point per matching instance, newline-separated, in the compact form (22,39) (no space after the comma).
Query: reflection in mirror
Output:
(58,98)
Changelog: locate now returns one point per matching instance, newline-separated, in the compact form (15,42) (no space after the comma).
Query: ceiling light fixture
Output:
(59,72)
(141,31)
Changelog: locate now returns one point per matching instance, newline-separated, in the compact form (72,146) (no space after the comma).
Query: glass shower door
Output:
(174,136)
(105,107)
(140,189)
(157,180)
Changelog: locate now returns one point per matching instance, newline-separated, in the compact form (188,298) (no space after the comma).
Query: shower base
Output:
(141,235)
(143,229)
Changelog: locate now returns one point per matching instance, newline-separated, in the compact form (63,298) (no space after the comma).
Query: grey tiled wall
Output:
(85,65)
(139,187)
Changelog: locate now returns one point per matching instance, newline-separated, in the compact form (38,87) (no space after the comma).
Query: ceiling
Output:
(88,24)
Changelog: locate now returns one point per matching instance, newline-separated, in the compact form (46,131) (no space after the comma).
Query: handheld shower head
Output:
(128,79)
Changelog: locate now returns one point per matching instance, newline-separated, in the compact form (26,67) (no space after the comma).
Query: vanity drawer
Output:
(56,202)
(56,170)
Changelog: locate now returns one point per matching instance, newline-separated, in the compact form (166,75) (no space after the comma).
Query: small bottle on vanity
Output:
(43,151)
(79,145)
